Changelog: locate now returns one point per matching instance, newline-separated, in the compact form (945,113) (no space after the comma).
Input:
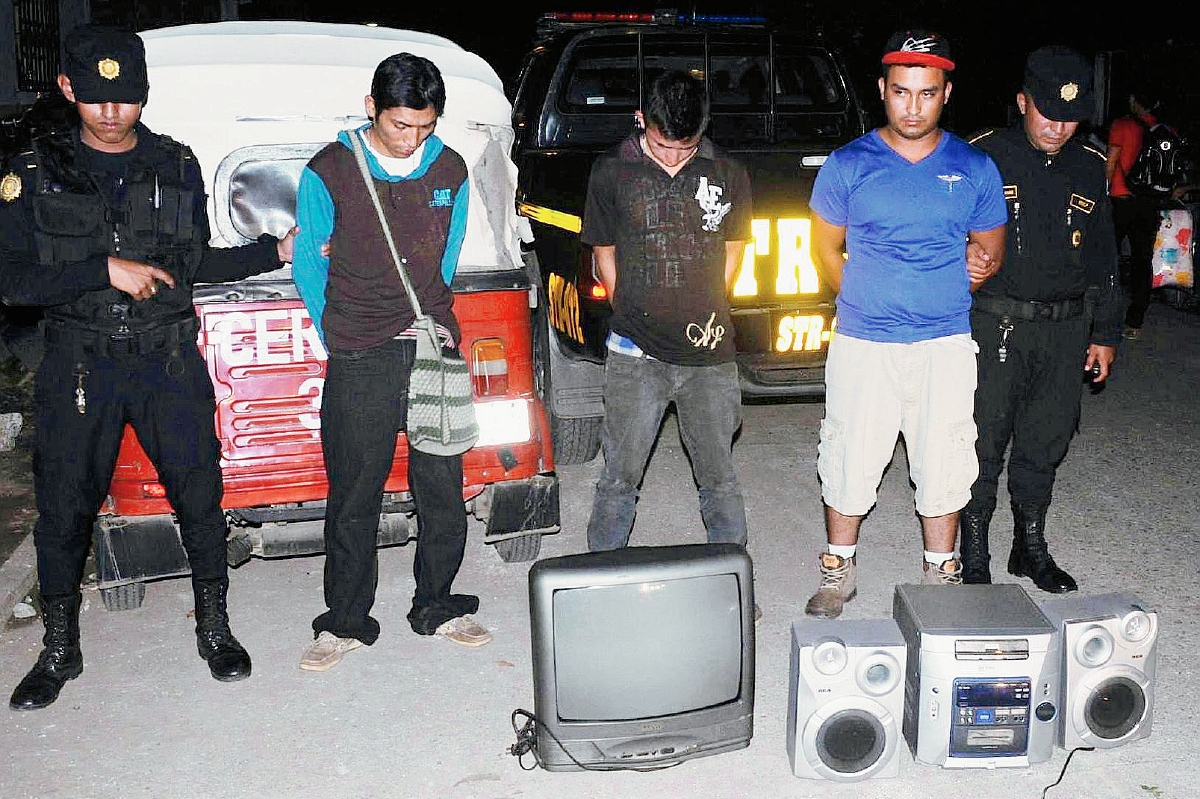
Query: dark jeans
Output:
(708,402)
(363,408)
(1137,219)
(168,398)
(1030,400)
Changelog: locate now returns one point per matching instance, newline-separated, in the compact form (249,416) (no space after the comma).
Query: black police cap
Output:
(1059,80)
(106,65)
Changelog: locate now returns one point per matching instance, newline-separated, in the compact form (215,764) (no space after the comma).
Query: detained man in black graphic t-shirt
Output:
(668,217)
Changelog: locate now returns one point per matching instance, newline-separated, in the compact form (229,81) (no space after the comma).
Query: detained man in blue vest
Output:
(349,281)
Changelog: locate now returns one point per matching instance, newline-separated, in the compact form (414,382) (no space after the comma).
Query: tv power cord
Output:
(527,744)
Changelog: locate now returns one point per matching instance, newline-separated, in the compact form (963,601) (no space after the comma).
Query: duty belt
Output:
(110,342)
(1030,310)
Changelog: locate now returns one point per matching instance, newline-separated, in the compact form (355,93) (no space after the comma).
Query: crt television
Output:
(642,656)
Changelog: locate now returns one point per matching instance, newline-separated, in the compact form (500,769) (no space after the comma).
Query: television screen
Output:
(642,656)
(605,668)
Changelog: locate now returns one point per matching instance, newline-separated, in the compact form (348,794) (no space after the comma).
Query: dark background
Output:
(1151,48)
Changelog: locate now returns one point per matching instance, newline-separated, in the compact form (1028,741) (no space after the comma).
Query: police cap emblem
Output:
(1069,91)
(108,69)
(10,187)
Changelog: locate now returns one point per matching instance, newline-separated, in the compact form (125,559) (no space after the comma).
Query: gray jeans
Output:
(709,406)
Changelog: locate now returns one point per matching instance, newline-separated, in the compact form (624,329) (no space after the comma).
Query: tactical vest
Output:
(153,223)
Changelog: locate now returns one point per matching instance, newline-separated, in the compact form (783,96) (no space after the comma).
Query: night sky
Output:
(990,39)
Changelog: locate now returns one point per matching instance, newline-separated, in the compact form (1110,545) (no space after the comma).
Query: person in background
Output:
(1135,216)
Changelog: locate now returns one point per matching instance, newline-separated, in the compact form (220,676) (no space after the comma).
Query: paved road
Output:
(413,717)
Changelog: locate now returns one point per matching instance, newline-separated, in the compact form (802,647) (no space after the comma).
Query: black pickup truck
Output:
(781,102)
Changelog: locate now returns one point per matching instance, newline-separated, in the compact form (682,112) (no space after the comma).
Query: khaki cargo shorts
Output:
(875,391)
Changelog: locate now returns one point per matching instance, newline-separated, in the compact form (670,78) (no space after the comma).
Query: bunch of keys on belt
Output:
(1006,327)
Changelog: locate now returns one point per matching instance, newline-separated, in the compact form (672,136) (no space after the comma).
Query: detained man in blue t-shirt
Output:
(902,202)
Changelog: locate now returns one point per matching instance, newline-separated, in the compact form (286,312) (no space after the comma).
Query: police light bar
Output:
(595,16)
(661,16)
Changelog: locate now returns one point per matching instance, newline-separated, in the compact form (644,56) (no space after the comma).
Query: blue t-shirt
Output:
(905,278)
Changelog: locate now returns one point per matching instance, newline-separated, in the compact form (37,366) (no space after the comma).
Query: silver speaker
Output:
(846,699)
(1109,650)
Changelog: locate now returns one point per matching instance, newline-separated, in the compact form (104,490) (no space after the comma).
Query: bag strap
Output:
(361,157)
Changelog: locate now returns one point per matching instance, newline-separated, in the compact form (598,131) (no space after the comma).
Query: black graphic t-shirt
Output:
(670,234)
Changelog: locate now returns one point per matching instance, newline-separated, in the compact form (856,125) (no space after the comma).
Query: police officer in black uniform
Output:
(104,225)
(1052,310)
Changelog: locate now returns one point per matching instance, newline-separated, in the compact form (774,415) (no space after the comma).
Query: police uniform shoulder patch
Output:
(10,187)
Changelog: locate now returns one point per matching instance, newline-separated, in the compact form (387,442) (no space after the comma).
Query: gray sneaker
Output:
(949,573)
(839,580)
(325,652)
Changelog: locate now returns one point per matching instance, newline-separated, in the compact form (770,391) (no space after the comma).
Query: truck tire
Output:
(520,549)
(123,597)
(575,440)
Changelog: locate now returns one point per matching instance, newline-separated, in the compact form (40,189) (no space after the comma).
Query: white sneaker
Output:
(325,652)
(464,631)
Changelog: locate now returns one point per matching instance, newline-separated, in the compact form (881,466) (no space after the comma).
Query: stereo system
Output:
(1108,646)
(982,685)
(845,699)
(972,676)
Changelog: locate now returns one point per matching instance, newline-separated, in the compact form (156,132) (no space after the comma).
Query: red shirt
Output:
(1127,134)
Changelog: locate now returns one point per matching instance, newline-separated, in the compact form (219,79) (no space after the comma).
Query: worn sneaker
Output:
(326,650)
(949,573)
(464,631)
(838,586)
(1131,333)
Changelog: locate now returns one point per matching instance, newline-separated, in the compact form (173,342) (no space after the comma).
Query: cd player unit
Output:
(982,676)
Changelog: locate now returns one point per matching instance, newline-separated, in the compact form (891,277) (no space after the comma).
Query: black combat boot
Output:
(60,660)
(226,658)
(973,547)
(1030,556)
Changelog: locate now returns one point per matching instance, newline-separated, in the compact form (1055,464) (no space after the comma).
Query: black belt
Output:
(1030,310)
(160,338)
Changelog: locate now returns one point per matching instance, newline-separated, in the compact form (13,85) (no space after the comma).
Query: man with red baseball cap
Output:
(902,202)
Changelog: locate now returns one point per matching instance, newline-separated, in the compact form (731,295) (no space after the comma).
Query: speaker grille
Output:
(851,741)
(1115,708)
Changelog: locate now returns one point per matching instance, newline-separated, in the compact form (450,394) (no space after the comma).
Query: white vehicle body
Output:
(223,87)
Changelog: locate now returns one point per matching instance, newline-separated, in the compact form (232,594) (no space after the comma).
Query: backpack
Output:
(1160,163)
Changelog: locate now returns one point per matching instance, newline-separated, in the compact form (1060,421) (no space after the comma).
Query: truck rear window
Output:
(599,86)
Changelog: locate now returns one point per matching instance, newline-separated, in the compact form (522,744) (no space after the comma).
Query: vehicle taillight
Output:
(489,368)
(154,490)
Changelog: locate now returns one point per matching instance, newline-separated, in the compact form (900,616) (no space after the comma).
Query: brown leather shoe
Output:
(949,573)
(839,584)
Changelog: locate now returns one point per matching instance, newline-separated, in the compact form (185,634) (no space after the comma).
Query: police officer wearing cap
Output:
(103,224)
(1052,310)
